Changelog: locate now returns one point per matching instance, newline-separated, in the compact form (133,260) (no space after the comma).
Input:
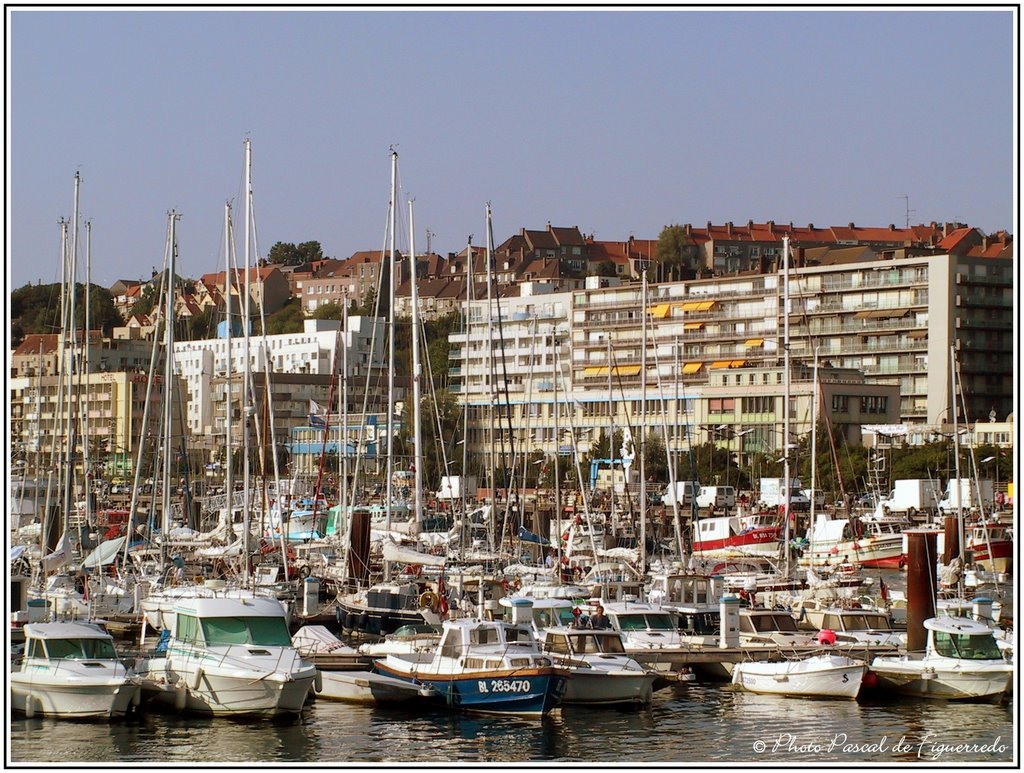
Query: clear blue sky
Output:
(619,122)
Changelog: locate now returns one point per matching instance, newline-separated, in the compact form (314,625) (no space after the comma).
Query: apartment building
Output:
(883,327)
(315,352)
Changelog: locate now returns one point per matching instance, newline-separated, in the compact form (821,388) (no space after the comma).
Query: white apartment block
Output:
(203,364)
(883,330)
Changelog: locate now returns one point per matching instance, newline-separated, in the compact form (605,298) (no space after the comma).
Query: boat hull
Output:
(364,687)
(609,688)
(753,542)
(813,678)
(34,695)
(521,692)
(988,683)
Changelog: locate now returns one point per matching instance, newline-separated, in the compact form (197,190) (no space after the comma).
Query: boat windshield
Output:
(80,649)
(763,623)
(874,623)
(643,622)
(966,647)
(589,644)
(265,631)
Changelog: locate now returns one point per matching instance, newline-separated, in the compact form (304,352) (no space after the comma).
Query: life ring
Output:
(429,600)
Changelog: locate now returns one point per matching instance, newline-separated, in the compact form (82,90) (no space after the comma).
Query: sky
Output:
(619,122)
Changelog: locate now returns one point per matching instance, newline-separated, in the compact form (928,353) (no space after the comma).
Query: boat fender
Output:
(180,694)
(198,679)
(429,599)
(318,682)
(30,706)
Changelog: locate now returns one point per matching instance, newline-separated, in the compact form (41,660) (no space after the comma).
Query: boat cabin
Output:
(224,622)
(962,639)
(67,641)
(579,642)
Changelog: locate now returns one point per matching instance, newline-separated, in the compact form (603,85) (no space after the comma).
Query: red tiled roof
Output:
(32,342)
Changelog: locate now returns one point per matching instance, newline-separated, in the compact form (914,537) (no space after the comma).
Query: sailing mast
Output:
(229,483)
(642,425)
(247,408)
(165,502)
(959,488)
(391,350)
(416,375)
(785,399)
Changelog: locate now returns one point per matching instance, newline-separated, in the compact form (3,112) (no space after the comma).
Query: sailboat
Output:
(407,597)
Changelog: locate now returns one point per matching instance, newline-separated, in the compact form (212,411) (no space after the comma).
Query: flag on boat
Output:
(316,414)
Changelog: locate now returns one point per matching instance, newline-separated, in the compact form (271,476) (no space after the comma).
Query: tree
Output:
(36,309)
(604,268)
(671,253)
(328,311)
(288,319)
(288,254)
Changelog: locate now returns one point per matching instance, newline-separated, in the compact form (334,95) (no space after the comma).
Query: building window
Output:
(840,403)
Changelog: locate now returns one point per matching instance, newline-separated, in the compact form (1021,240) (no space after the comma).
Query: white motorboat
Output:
(229,656)
(820,676)
(855,625)
(600,671)
(761,627)
(961,661)
(71,670)
(159,607)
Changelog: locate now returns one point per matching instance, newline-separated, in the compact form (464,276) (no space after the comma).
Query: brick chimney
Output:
(728,228)
(687,228)
(852,225)
(709,226)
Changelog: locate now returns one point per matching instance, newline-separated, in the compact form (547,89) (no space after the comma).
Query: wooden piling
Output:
(921,584)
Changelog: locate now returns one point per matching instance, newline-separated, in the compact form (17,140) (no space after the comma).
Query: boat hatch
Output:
(259,652)
(89,664)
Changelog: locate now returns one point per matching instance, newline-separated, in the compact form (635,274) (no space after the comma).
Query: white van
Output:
(716,498)
(683,494)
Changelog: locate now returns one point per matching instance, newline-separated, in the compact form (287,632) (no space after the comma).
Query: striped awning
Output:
(626,370)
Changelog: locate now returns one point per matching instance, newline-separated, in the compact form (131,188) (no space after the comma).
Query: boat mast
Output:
(785,399)
(642,425)
(247,408)
(391,349)
(814,453)
(417,459)
(491,388)
(229,483)
(165,502)
(70,334)
(86,456)
(956,461)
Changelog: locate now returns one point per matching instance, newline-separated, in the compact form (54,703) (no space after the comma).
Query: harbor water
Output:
(699,723)
(704,723)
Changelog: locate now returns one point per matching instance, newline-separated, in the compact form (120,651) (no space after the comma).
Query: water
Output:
(700,723)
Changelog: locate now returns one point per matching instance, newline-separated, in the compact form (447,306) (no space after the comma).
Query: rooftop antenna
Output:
(907,209)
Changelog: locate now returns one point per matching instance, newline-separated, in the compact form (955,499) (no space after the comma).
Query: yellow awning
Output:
(720,364)
(692,367)
(660,311)
(691,306)
(693,326)
(737,363)
(596,370)
(754,342)
(626,370)
(917,334)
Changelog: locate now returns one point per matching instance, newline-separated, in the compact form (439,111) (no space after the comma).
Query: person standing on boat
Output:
(599,619)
